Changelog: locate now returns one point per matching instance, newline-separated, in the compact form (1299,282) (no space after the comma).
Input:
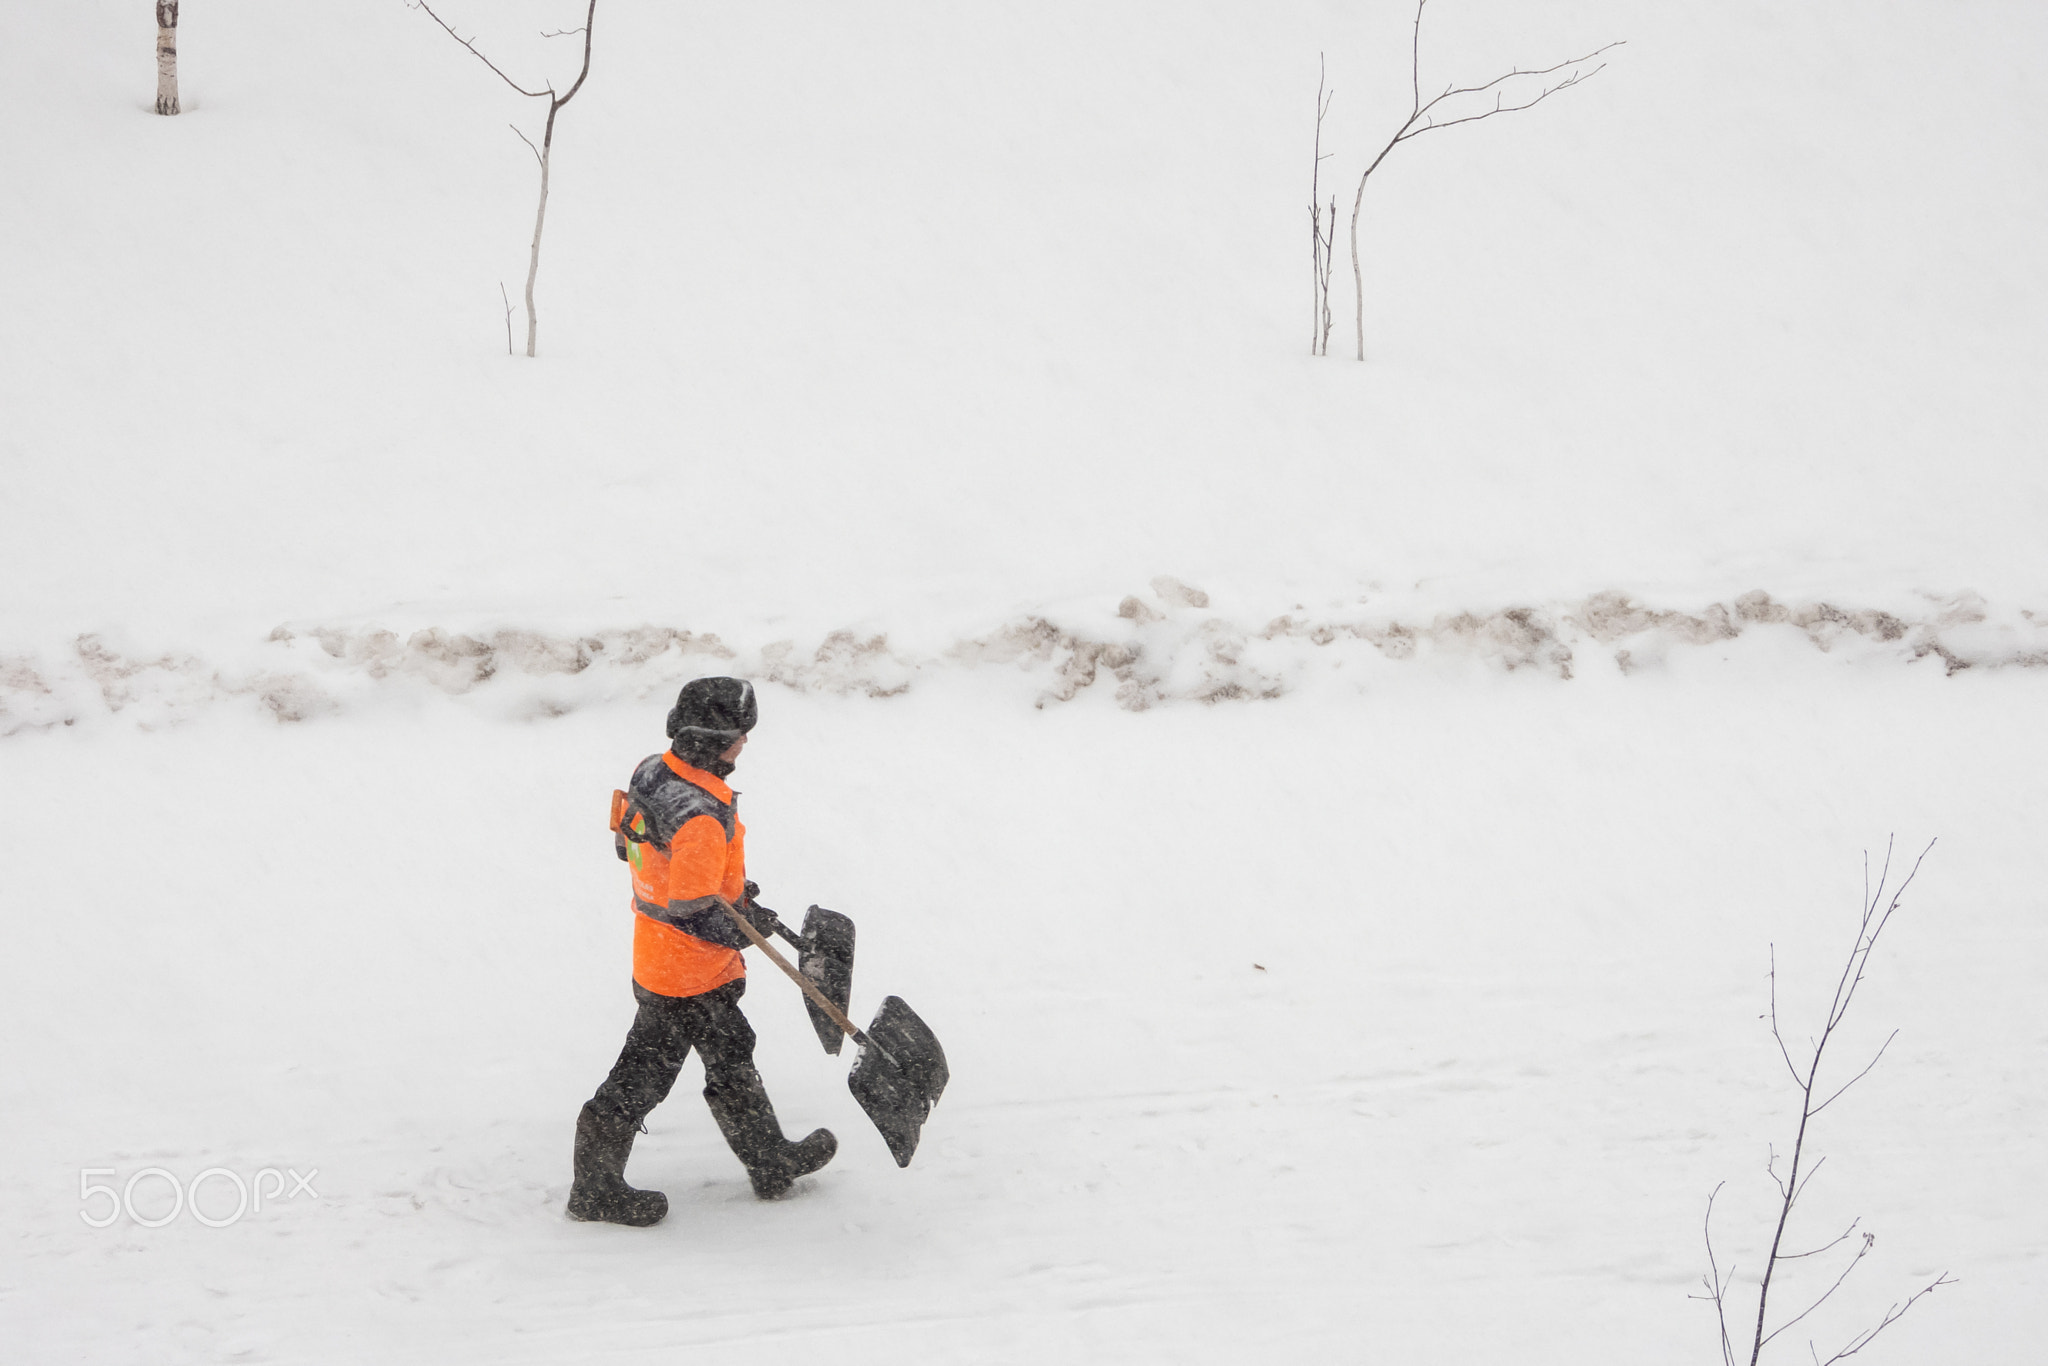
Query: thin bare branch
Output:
(1883,873)
(1837,1242)
(562,33)
(423,5)
(1415,65)
(1783,1051)
(1910,875)
(1868,942)
(1800,1189)
(1716,1284)
(1453,91)
(527,140)
(1892,1316)
(1499,108)
(589,21)
(1859,1076)
(1868,1239)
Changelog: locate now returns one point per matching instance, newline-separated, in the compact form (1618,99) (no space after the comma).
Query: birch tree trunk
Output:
(166,56)
(540,217)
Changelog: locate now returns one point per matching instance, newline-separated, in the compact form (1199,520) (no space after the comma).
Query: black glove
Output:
(760,917)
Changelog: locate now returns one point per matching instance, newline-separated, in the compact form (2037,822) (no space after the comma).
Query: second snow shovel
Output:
(825,956)
(900,1072)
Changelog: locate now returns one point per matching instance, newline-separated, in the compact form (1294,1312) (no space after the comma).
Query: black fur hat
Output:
(709,714)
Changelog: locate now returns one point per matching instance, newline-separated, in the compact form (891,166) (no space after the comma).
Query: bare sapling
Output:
(1799,1174)
(1321,229)
(545,151)
(166,56)
(1430,116)
(1323,287)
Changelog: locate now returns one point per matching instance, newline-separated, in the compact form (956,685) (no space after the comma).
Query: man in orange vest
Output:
(681,832)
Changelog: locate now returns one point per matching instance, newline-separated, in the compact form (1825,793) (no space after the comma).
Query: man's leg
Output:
(640,1080)
(739,1102)
(655,1049)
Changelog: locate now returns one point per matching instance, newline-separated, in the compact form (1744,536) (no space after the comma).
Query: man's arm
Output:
(696,876)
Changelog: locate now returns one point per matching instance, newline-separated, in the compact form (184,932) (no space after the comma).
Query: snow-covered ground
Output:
(1416,1028)
(1337,817)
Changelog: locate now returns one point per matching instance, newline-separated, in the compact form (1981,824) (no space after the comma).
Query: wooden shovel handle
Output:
(810,988)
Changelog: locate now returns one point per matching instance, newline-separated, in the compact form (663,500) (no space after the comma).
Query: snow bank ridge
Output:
(1168,647)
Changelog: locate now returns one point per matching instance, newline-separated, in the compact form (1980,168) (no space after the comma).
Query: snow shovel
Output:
(825,956)
(900,1072)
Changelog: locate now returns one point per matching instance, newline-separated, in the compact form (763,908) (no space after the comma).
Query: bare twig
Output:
(1453,91)
(527,140)
(1423,119)
(1783,1052)
(1837,1241)
(423,5)
(1860,1075)
(1891,1316)
(1716,1283)
(508,315)
(1800,1189)
(1861,1252)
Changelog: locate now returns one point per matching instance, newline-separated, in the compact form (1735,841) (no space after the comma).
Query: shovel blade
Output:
(899,1076)
(827,960)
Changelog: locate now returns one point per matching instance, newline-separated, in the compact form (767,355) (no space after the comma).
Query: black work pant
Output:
(663,1033)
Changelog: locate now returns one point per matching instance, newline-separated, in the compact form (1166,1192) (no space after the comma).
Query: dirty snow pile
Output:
(1168,647)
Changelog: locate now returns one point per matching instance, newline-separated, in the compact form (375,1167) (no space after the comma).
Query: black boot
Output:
(601,1192)
(773,1163)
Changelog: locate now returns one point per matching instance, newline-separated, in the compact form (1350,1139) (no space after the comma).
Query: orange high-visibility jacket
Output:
(687,847)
